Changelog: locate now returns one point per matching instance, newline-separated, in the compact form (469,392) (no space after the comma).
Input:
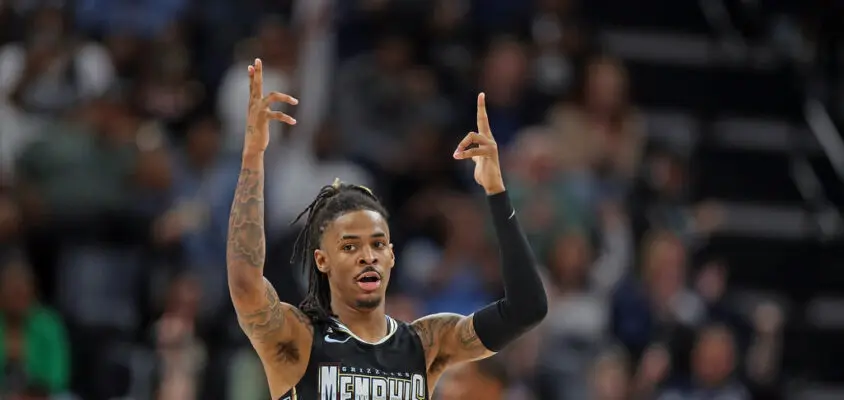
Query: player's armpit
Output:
(449,339)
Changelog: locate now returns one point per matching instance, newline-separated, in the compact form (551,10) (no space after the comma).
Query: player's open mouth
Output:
(369,281)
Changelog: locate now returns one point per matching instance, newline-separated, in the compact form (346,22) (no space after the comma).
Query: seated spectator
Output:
(610,377)
(600,134)
(458,276)
(483,380)
(537,184)
(659,307)
(34,353)
(713,369)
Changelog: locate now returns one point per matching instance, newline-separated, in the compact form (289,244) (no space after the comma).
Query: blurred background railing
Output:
(678,167)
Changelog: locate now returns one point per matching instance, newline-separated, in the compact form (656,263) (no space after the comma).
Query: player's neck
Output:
(370,325)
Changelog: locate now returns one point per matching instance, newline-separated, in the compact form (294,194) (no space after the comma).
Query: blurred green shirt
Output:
(567,212)
(46,352)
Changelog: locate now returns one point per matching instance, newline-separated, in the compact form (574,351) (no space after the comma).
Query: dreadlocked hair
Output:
(332,202)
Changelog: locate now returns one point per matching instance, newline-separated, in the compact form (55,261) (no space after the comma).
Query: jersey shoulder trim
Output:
(392,328)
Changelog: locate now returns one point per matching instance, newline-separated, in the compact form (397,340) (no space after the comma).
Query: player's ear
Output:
(321,261)
(392,259)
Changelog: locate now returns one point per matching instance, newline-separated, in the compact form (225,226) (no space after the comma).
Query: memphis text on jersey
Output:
(340,382)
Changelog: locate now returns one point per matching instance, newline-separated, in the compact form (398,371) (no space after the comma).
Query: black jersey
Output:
(344,366)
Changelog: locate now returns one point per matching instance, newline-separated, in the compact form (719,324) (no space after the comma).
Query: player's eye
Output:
(348,247)
(380,245)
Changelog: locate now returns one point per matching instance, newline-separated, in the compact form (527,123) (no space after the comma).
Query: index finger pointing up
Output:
(256,80)
(483,120)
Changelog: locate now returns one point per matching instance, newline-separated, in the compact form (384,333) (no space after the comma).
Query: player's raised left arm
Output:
(451,338)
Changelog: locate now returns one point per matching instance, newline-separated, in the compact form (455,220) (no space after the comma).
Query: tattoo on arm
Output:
(449,339)
(267,321)
(468,339)
(430,329)
(272,331)
(246,243)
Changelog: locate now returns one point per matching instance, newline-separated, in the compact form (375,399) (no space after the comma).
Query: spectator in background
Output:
(758,336)
(713,366)
(276,46)
(482,380)
(577,327)
(34,348)
(79,169)
(512,99)
(710,283)
(93,192)
(609,378)
(372,113)
(764,356)
(457,276)
(45,74)
(204,179)
(660,199)
(449,49)
(181,354)
(538,186)
(653,369)
(50,71)
(166,88)
(10,221)
(558,42)
(658,307)
(600,135)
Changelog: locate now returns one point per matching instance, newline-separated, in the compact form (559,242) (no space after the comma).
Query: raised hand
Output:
(482,149)
(259,114)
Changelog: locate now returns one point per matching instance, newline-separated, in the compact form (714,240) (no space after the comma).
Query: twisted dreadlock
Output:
(332,202)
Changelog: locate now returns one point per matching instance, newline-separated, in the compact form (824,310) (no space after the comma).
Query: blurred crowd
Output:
(121,129)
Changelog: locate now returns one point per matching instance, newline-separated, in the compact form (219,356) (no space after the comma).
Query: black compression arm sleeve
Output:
(524,304)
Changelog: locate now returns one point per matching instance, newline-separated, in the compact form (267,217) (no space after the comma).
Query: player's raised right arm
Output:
(278,331)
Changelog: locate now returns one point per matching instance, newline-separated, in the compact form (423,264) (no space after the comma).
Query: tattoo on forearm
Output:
(261,324)
(246,243)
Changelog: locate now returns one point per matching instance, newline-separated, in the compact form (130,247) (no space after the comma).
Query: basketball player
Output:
(339,343)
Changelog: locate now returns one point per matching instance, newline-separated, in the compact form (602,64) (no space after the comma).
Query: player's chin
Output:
(369,301)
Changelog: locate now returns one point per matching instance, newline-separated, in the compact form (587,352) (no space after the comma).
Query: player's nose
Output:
(368,257)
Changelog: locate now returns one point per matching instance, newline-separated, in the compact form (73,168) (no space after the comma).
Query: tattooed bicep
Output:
(272,320)
(467,342)
(431,329)
(449,338)
(265,319)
